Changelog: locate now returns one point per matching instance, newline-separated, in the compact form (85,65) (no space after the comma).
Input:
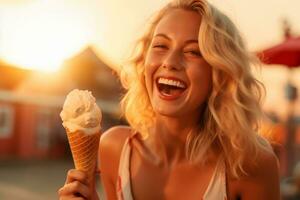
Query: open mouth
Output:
(170,87)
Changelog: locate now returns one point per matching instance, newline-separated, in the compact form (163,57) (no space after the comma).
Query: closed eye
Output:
(194,53)
(160,46)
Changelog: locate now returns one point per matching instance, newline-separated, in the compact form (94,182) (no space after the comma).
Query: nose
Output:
(173,61)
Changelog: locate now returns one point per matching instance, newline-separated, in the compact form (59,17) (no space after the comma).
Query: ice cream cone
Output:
(81,118)
(84,149)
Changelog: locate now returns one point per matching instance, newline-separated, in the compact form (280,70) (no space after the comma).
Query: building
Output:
(30,103)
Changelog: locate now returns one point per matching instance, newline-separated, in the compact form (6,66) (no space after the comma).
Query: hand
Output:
(76,187)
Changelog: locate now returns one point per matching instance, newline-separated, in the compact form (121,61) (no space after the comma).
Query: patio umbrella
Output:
(287,54)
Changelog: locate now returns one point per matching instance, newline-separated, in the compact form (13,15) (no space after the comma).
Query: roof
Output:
(83,71)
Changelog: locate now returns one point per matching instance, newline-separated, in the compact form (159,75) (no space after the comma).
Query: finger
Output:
(72,197)
(79,198)
(76,175)
(75,188)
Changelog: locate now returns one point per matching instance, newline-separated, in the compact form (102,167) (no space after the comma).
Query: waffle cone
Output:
(84,149)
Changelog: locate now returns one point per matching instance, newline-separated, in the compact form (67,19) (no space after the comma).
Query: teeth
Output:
(171,82)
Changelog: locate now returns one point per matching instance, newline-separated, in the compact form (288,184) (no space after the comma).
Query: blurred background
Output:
(49,47)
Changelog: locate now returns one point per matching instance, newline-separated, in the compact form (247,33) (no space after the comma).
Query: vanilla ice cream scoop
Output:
(81,113)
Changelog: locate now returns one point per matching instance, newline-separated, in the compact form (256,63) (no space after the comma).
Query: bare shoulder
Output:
(266,162)
(110,147)
(262,179)
(114,137)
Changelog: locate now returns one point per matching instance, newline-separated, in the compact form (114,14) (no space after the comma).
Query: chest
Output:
(179,183)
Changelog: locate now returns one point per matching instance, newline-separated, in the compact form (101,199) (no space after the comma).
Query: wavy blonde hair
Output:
(233,112)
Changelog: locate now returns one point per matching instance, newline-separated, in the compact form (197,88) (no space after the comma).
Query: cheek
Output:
(148,74)
(151,60)
(206,81)
(202,78)
(152,64)
(148,82)
(208,78)
(154,58)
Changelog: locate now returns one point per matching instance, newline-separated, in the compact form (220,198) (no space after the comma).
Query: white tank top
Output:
(216,189)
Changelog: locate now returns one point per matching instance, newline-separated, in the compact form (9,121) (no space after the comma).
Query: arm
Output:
(110,147)
(263,180)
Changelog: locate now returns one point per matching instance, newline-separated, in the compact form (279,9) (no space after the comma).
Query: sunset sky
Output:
(41,34)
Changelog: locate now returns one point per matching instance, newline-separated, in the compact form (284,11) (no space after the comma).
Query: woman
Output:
(194,110)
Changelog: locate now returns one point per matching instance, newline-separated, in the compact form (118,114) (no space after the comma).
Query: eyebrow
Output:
(168,38)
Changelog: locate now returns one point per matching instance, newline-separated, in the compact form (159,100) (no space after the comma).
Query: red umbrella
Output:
(287,53)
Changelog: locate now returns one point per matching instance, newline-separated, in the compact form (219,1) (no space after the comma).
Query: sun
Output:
(41,39)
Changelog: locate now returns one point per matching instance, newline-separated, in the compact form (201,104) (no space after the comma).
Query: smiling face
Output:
(178,79)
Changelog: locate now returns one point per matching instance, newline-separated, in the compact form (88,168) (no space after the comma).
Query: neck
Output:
(169,139)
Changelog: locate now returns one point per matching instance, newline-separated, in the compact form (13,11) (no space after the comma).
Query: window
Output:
(43,128)
(6,121)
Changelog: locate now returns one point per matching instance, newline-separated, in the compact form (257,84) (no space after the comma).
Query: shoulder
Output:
(266,162)
(262,179)
(114,137)
(110,147)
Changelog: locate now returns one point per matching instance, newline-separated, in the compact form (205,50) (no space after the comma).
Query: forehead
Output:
(179,23)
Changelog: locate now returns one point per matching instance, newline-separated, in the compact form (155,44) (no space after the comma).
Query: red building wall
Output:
(36,132)
(39,133)
(8,141)
(25,130)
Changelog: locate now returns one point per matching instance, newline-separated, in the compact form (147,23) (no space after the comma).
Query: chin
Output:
(169,112)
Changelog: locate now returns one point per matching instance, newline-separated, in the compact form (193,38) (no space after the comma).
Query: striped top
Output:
(216,189)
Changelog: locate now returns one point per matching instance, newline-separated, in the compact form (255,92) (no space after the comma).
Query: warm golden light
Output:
(41,39)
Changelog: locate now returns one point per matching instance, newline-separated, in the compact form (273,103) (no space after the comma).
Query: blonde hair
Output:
(233,111)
